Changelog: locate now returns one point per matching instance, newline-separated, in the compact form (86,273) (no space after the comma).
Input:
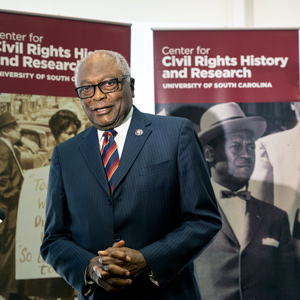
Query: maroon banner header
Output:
(201,66)
(38,54)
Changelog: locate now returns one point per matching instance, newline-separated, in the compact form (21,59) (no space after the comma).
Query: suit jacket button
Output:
(117,238)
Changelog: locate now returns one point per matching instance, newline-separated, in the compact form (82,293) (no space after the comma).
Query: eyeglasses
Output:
(107,86)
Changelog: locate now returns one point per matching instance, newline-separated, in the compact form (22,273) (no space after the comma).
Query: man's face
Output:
(105,111)
(234,158)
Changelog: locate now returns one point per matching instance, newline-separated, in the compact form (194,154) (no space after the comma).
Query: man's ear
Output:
(4,131)
(132,81)
(209,153)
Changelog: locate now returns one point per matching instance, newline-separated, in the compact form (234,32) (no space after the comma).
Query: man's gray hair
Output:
(119,59)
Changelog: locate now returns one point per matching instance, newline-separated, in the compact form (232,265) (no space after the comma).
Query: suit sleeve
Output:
(58,249)
(200,218)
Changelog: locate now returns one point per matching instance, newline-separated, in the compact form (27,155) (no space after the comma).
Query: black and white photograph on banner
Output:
(243,99)
(259,236)
(33,114)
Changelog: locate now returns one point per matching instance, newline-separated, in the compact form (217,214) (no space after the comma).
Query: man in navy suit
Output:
(138,238)
(252,256)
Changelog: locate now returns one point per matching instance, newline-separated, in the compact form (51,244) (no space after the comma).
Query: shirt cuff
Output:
(88,287)
(152,278)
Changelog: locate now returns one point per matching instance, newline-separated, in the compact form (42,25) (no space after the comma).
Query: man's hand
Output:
(113,280)
(125,258)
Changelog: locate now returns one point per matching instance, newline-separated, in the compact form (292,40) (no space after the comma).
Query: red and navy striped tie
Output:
(110,156)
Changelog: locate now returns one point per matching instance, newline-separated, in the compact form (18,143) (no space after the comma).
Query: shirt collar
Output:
(218,188)
(123,128)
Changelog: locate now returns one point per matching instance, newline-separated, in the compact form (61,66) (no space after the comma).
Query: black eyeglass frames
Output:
(107,86)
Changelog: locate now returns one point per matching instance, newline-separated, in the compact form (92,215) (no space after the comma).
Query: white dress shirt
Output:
(234,209)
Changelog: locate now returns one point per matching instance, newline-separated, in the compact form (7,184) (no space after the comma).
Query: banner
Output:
(226,65)
(240,88)
(39,53)
(38,56)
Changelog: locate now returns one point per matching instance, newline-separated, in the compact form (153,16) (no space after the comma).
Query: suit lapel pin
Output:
(139,132)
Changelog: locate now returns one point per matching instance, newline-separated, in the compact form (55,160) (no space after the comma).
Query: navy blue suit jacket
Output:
(163,205)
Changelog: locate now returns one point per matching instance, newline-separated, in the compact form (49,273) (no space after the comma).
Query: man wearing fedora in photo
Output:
(11,179)
(251,257)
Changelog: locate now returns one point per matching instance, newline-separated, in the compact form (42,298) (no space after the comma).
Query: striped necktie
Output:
(110,156)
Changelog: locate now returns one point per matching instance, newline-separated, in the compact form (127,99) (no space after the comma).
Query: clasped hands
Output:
(116,267)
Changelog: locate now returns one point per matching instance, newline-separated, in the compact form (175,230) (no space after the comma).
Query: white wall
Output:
(145,14)
(276,13)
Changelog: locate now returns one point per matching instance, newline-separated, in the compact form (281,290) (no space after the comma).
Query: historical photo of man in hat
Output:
(252,256)
(11,179)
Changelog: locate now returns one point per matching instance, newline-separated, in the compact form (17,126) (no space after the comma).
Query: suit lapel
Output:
(254,220)
(133,144)
(90,150)
(226,228)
